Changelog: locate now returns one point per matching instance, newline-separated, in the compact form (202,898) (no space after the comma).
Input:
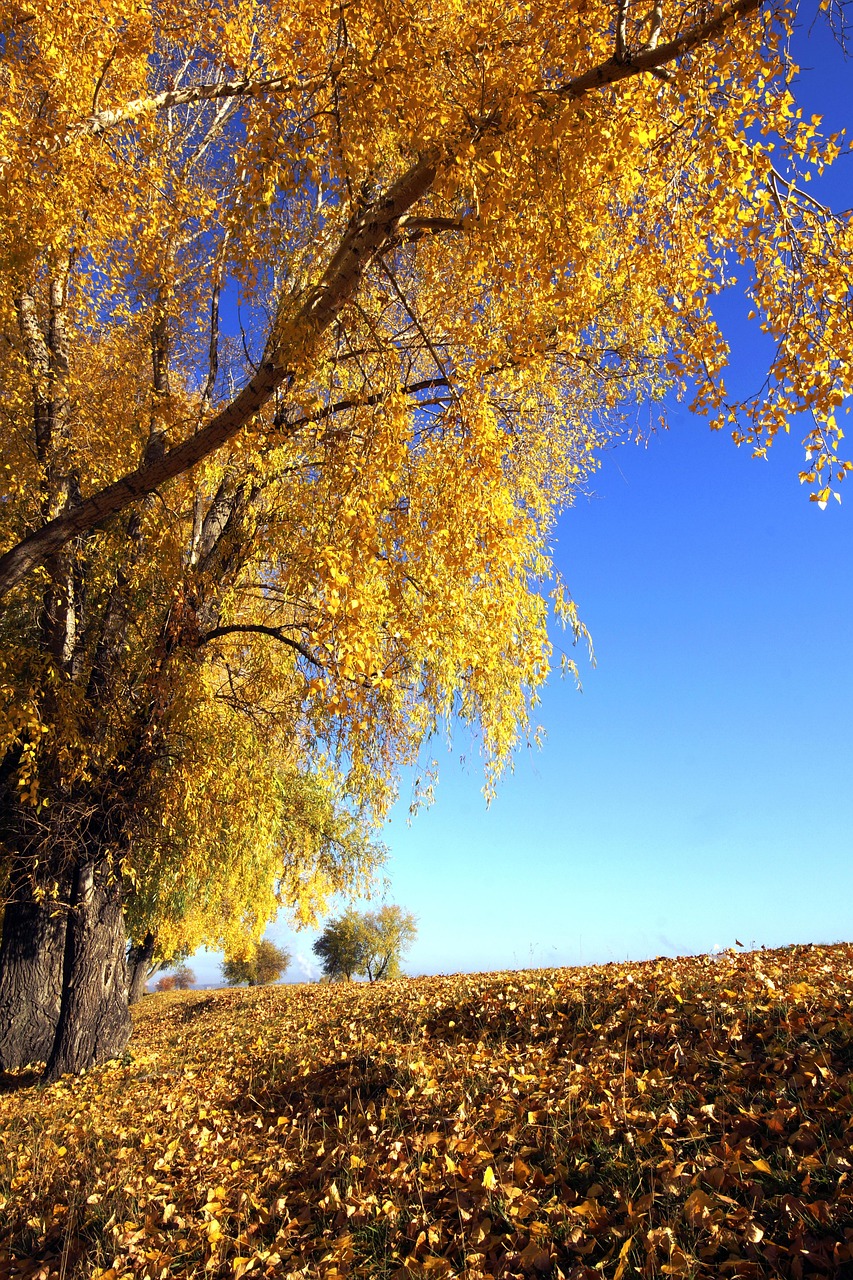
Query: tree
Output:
(265,964)
(315,846)
(141,966)
(181,980)
(250,557)
(341,947)
(143,963)
(389,933)
(369,945)
(184,977)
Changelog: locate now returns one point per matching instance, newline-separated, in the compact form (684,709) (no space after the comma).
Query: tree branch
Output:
(652,58)
(621,51)
(410,311)
(657,22)
(101,121)
(376,397)
(257,628)
(292,340)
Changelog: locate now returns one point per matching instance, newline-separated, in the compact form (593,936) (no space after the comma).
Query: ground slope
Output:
(687,1117)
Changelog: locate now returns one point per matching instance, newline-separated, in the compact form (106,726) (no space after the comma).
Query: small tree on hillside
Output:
(266,964)
(388,934)
(341,947)
(370,945)
(181,980)
(184,977)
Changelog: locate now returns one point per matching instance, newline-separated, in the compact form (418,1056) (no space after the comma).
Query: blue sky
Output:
(698,790)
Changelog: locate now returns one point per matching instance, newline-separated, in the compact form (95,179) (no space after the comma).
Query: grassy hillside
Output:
(680,1118)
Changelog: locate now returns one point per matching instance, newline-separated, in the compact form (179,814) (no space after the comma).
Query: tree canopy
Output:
(264,963)
(311,322)
(388,934)
(369,944)
(340,947)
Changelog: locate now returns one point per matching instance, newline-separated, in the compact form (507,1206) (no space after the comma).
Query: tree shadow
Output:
(12,1081)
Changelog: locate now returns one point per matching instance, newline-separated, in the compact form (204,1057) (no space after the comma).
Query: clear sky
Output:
(700,789)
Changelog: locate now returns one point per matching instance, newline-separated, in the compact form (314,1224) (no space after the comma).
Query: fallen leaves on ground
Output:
(687,1117)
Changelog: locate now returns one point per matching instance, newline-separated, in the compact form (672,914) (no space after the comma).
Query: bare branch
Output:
(276,633)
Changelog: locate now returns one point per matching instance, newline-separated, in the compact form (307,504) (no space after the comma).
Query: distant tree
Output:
(184,977)
(267,963)
(370,945)
(341,947)
(388,935)
(181,980)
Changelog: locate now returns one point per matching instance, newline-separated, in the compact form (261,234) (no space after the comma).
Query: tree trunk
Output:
(139,966)
(30,976)
(94,1020)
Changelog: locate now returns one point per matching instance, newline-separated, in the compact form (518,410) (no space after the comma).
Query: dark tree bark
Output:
(139,967)
(63,966)
(94,1020)
(30,976)
(63,973)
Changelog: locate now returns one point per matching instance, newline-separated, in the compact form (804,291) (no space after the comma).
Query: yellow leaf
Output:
(623,1259)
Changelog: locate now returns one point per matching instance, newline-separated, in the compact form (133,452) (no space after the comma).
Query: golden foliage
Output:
(469,242)
(676,1117)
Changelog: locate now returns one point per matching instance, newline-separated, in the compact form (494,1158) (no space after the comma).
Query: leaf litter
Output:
(688,1117)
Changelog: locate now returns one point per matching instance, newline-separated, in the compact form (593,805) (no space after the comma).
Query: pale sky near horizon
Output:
(698,790)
